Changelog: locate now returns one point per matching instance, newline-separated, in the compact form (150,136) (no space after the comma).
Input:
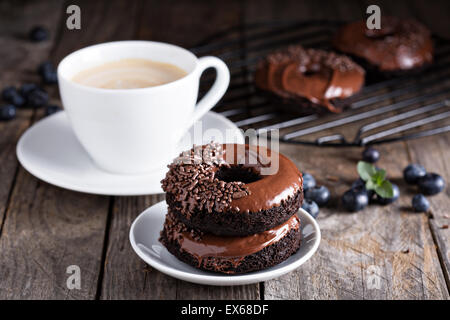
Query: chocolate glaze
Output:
(400,44)
(197,187)
(208,245)
(311,74)
(271,189)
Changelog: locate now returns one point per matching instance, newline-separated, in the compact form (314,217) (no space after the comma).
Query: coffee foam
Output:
(129,74)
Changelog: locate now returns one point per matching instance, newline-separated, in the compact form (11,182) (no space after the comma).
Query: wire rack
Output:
(386,110)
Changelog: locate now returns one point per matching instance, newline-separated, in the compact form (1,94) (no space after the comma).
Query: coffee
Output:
(128,74)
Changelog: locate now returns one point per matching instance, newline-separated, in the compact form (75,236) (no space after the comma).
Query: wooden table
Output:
(44,229)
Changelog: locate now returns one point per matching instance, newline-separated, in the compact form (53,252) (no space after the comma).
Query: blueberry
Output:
(394,198)
(7,112)
(431,184)
(26,88)
(37,98)
(38,34)
(355,199)
(318,194)
(8,93)
(371,155)
(360,184)
(46,66)
(420,203)
(52,109)
(17,100)
(413,172)
(50,77)
(311,207)
(48,72)
(308,181)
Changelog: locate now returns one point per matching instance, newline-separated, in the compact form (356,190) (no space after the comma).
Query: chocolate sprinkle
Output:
(191,179)
(177,228)
(313,59)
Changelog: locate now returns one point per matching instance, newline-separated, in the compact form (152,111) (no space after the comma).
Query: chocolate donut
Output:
(400,44)
(237,192)
(231,255)
(309,77)
(232,208)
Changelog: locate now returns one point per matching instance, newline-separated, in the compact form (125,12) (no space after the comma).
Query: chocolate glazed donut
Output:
(257,201)
(400,45)
(309,77)
(231,255)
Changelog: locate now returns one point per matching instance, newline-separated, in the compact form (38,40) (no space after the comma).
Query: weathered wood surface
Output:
(380,253)
(19,59)
(47,229)
(434,154)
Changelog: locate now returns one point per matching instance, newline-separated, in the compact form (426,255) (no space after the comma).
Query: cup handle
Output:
(217,90)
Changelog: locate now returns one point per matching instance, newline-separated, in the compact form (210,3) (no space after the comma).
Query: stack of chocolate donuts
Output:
(232,208)
(313,78)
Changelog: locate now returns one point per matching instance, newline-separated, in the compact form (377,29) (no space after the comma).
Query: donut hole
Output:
(312,69)
(309,73)
(237,173)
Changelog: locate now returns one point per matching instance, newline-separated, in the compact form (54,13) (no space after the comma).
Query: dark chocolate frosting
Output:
(316,75)
(203,245)
(400,44)
(197,185)
(271,189)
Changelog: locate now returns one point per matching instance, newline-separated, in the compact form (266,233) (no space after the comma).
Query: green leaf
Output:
(366,170)
(370,185)
(379,176)
(385,190)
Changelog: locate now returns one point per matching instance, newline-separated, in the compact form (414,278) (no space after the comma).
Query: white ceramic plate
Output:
(144,234)
(50,151)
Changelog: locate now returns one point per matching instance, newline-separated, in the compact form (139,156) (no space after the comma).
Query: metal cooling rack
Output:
(405,107)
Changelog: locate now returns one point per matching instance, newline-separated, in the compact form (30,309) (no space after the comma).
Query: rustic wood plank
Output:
(441,233)
(380,253)
(185,23)
(47,228)
(18,64)
(126,276)
(434,154)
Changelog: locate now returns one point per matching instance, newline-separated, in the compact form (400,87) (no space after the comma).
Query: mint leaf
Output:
(379,176)
(366,170)
(375,179)
(371,185)
(384,189)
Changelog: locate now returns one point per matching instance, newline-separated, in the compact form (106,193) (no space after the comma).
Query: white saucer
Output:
(144,235)
(50,151)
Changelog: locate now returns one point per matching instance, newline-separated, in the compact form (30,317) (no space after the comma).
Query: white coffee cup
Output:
(136,130)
